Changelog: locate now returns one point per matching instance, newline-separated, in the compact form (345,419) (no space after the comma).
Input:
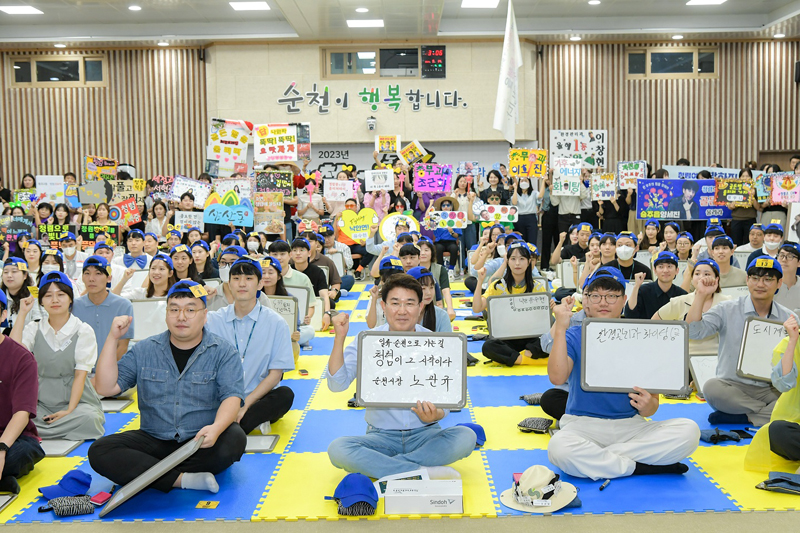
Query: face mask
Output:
(501,249)
(624,252)
(225,273)
(524,185)
(772,245)
(46,269)
(68,250)
(252,246)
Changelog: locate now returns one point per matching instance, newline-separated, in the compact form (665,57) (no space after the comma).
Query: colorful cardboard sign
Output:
(52,232)
(199,190)
(50,189)
(471,168)
(527,163)
(630,171)
(604,186)
(162,187)
(25,197)
(677,199)
(785,188)
(412,152)
(71,196)
(227,144)
(243,187)
(587,146)
(430,177)
(276,181)
(125,212)
(566,177)
(11,227)
(189,219)
(763,184)
(498,213)
(387,144)
(379,180)
(338,190)
(281,142)
(124,189)
(736,191)
(99,168)
(356,225)
(95,192)
(269,212)
(446,219)
(390,221)
(88,234)
(228,209)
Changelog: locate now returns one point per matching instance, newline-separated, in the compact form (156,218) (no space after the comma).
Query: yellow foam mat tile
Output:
(692,399)
(724,465)
(293,495)
(285,427)
(315,364)
(500,425)
(496,369)
(363,296)
(324,399)
(346,305)
(47,472)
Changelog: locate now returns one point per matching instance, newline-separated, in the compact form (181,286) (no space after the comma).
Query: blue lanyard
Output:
(241,353)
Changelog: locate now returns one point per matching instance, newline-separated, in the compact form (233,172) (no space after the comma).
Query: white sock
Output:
(442,472)
(199,481)
(265,428)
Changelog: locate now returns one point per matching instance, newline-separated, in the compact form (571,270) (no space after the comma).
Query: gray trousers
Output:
(737,398)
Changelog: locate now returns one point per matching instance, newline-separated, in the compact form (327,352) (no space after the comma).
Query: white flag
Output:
(506,111)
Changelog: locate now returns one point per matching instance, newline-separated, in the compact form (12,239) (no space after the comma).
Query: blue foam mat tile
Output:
(634,494)
(362,305)
(699,413)
(320,428)
(302,388)
(320,346)
(240,489)
(503,391)
(114,423)
(461,417)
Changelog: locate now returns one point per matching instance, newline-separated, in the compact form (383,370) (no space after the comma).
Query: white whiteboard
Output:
(742,258)
(519,316)
(136,281)
(327,273)
(303,296)
(645,258)
(703,368)
(286,306)
(630,284)
(681,269)
(617,355)
(149,317)
(760,338)
(736,291)
(565,273)
(397,369)
(213,283)
(338,260)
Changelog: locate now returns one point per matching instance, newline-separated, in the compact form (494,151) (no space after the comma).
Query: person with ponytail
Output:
(432,317)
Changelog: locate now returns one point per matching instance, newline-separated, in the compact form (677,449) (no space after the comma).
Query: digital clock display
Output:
(433,61)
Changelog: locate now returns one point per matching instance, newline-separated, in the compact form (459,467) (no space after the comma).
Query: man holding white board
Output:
(397,440)
(604,434)
(735,399)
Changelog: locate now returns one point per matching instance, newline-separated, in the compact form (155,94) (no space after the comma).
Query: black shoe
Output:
(352,402)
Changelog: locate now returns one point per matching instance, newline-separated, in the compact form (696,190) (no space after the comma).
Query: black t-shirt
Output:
(630,271)
(574,250)
(651,299)
(316,276)
(181,356)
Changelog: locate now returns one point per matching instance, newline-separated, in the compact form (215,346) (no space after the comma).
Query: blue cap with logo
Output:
(161,256)
(628,235)
(792,248)
(417,273)
(665,257)
(708,262)
(54,277)
(653,222)
(238,251)
(137,233)
(391,262)
(605,272)
(767,262)
(189,286)
(99,262)
(722,240)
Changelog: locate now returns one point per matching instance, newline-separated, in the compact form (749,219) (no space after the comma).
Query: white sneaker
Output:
(343,293)
(265,428)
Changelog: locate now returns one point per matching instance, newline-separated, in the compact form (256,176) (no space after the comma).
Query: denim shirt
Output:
(173,405)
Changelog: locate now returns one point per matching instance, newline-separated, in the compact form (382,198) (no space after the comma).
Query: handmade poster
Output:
(763,184)
(52,232)
(276,181)
(736,191)
(338,190)
(471,168)
(379,180)
(212,168)
(99,168)
(50,189)
(566,177)
(519,163)
(430,177)
(356,225)
(604,187)
(228,209)
(199,190)
(387,144)
(498,213)
(11,227)
(124,189)
(268,212)
(162,187)
(587,146)
(95,192)
(538,163)
(227,144)
(125,212)
(412,152)
(71,196)
(241,186)
(785,188)
(678,199)
(684,172)
(25,197)
(88,232)
(445,219)
(630,171)
(390,221)
(189,219)
(275,143)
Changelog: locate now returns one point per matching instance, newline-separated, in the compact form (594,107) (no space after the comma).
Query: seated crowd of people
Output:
(216,372)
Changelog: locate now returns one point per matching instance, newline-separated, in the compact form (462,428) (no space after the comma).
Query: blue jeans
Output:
(382,452)
(306,334)
(347,282)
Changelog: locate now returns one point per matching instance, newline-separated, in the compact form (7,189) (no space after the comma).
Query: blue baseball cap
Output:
(151,234)
(417,273)
(709,262)
(202,244)
(792,247)
(194,228)
(401,222)
(34,242)
(519,245)
(722,240)
(712,231)
(423,238)
(180,248)
(190,287)
(415,233)
(233,236)
(480,433)
(772,227)
(175,233)
(67,236)
(248,261)
(391,262)
(356,488)
(20,263)
(534,250)
(238,251)
(585,226)
(139,234)
(97,261)
(673,225)
(628,235)
(270,261)
(52,251)
(301,242)
(605,272)
(665,257)
(327,229)
(765,261)
(653,222)
(54,277)
(161,256)
(404,235)
(3,299)
(686,235)
(74,483)
(757,226)
(102,245)
(320,238)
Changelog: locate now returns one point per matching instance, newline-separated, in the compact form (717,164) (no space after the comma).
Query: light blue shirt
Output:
(100,317)
(443,324)
(781,382)
(379,418)
(546,341)
(261,338)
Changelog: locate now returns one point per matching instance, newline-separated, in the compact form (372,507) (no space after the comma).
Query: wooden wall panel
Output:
(753,106)
(151,115)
